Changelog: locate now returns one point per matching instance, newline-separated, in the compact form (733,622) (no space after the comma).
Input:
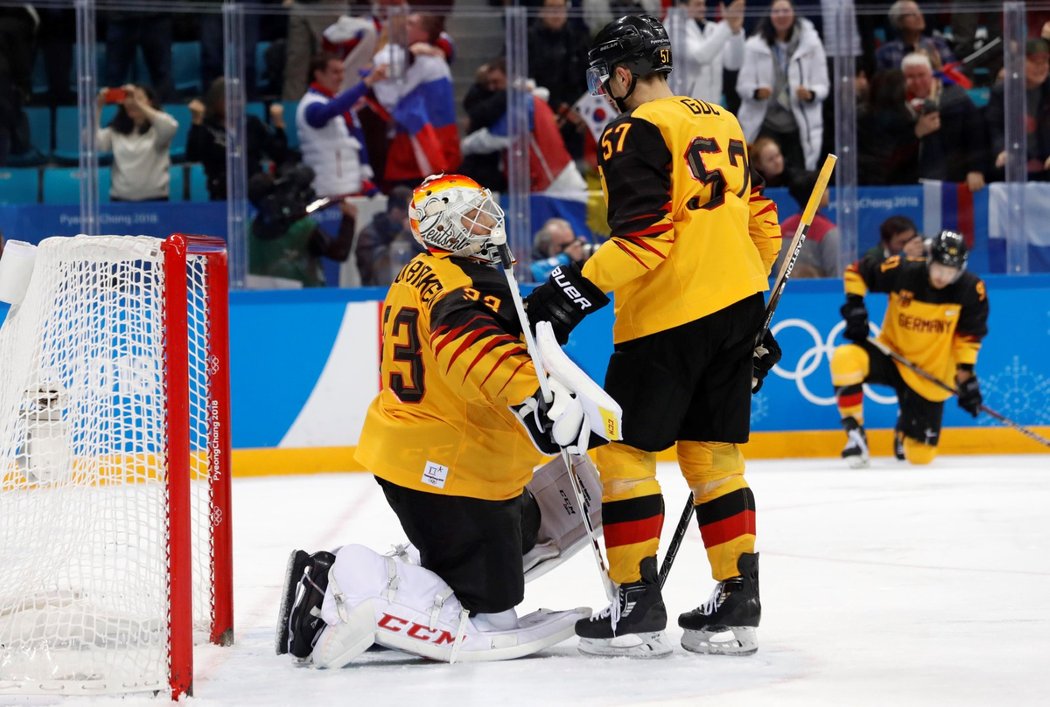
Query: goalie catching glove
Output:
(564,300)
(559,424)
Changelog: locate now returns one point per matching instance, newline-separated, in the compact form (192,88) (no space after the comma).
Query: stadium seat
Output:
(39,120)
(256,108)
(38,82)
(177,183)
(290,129)
(62,185)
(19,186)
(186,66)
(181,113)
(198,182)
(260,65)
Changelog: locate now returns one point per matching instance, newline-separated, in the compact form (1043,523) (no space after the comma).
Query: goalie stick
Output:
(507,260)
(954,391)
(795,248)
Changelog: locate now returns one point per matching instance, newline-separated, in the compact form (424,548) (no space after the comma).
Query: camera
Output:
(115,95)
(280,202)
(922,106)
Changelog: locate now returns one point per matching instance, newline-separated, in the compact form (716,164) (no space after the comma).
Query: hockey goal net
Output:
(115,544)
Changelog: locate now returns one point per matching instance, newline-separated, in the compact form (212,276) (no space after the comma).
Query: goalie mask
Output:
(454,214)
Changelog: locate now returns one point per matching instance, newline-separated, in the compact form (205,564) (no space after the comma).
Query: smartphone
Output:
(115,95)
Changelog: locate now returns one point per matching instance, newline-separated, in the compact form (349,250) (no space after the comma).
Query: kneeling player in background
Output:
(452,439)
(936,318)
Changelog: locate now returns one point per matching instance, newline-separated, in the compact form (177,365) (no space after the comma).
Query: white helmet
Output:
(454,214)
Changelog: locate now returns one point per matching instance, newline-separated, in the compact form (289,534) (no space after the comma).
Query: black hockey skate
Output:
(299,621)
(734,608)
(631,626)
(856,450)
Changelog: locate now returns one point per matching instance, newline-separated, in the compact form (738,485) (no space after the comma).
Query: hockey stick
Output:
(812,204)
(955,391)
(507,260)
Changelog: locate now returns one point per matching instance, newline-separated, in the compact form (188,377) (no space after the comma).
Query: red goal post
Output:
(115,525)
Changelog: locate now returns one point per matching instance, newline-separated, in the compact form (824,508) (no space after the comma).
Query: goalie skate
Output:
(298,620)
(725,624)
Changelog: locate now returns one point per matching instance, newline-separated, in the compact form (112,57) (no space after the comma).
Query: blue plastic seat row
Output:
(61,185)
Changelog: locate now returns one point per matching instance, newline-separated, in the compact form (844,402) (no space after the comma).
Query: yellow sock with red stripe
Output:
(632,508)
(725,505)
(850,365)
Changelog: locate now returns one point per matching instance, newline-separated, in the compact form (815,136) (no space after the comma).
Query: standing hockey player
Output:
(452,439)
(936,318)
(693,240)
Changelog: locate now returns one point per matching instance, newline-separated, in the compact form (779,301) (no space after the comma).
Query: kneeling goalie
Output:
(452,439)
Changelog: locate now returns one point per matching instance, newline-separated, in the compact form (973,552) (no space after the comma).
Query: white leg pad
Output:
(562,532)
(380,599)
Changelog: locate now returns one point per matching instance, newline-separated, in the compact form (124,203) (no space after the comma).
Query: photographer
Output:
(946,135)
(284,242)
(556,244)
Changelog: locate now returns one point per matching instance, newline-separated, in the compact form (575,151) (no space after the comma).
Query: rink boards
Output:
(305,367)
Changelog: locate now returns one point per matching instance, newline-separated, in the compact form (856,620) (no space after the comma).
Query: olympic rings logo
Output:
(811,360)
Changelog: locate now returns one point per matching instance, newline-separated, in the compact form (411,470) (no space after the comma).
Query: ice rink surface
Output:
(894,585)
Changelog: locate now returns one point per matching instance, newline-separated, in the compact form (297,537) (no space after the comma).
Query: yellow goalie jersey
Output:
(691,231)
(452,364)
(935,329)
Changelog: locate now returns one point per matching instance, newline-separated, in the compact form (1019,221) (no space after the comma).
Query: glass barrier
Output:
(138,118)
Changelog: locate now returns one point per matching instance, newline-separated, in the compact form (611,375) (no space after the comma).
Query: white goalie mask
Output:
(454,214)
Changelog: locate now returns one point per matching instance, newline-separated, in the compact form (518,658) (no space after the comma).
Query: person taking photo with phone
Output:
(139,136)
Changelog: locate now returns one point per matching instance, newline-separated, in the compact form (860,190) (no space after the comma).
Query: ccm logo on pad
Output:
(396,624)
(569,289)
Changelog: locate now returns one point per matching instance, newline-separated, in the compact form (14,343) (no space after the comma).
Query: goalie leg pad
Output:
(561,533)
(411,609)
(299,621)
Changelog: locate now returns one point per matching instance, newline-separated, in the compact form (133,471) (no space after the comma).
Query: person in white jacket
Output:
(139,136)
(702,49)
(783,83)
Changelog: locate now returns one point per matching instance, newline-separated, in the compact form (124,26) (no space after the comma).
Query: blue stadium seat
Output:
(62,185)
(39,120)
(39,80)
(256,108)
(290,129)
(186,66)
(19,186)
(181,113)
(198,182)
(177,183)
(67,142)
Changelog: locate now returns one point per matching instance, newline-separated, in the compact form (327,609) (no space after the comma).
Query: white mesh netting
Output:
(83,501)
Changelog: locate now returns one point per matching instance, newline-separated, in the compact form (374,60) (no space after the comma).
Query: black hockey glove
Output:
(767,354)
(856,316)
(970,396)
(564,300)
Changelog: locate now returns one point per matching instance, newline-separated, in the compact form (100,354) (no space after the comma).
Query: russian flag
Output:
(422,107)
(1032,200)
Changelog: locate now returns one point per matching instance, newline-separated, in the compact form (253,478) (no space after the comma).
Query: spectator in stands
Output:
(212,43)
(17,30)
(55,41)
(556,243)
(1037,108)
(768,161)
(558,62)
(285,243)
(782,84)
(150,31)
(551,168)
(819,256)
(484,104)
(708,48)
(329,138)
(907,19)
(139,136)
(306,26)
(947,138)
(897,236)
(386,244)
(206,142)
(420,104)
(881,116)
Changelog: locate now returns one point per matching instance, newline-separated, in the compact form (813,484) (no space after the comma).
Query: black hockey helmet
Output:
(948,248)
(638,42)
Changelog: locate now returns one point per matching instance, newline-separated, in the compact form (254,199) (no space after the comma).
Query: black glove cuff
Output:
(577,289)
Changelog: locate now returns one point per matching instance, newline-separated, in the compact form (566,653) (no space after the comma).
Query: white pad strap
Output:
(390,590)
(439,604)
(461,633)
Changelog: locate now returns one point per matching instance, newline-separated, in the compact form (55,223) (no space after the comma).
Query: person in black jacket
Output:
(1037,85)
(558,62)
(206,142)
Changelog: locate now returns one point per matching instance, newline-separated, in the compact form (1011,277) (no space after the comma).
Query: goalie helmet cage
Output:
(115,534)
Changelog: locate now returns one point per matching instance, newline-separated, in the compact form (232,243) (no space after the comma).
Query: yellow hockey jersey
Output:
(691,231)
(452,364)
(935,329)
